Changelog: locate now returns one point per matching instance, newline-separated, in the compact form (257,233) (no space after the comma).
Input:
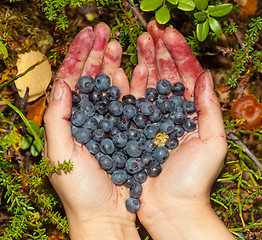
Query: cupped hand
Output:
(193,166)
(93,204)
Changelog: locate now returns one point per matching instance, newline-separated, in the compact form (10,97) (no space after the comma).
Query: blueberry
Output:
(93,147)
(154,169)
(113,132)
(120,159)
(140,120)
(178,115)
(177,100)
(166,106)
(123,123)
(129,181)
(132,204)
(115,108)
(129,110)
(135,190)
(133,134)
(133,149)
(85,84)
(189,107)
(134,165)
(107,146)
(150,130)
(141,100)
(178,88)
(119,177)
(82,135)
(102,81)
(95,95)
(129,99)
(151,94)
(98,135)
(156,114)
(111,118)
(75,98)
(78,118)
(120,140)
(161,154)
(141,176)
(146,159)
(146,108)
(142,139)
(112,93)
(105,162)
(88,108)
(106,125)
(149,146)
(99,155)
(91,123)
(160,99)
(166,126)
(172,142)
(178,131)
(101,108)
(189,125)
(163,86)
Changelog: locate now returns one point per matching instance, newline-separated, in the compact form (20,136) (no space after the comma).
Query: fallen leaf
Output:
(36,111)
(248,7)
(37,79)
(8,74)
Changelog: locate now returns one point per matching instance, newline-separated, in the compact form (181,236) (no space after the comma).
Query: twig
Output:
(239,40)
(137,13)
(237,141)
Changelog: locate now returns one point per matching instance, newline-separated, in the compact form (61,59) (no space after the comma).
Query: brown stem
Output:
(237,141)
(137,13)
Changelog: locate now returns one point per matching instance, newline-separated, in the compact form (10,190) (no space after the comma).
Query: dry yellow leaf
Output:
(37,79)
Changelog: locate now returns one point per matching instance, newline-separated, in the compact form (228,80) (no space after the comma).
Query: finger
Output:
(166,66)
(57,127)
(139,81)
(146,55)
(93,63)
(210,121)
(72,66)
(120,80)
(187,65)
(112,58)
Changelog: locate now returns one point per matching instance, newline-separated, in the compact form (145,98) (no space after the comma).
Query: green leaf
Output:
(35,149)
(34,126)
(201,4)
(215,25)
(202,30)
(130,48)
(175,2)
(3,51)
(150,5)
(133,59)
(200,16)
(163,15)
(41,132)
(219,10)
(186,5)
(26,142)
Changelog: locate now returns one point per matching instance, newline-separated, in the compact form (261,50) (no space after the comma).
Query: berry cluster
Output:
(129,138)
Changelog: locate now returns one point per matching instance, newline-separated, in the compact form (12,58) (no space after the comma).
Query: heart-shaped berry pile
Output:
(130,138)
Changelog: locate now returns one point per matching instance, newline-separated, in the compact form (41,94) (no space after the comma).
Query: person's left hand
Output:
(95,207)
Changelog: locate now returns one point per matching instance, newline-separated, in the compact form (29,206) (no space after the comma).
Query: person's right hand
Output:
(176,204)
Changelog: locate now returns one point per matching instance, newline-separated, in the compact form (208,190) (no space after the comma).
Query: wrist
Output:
(102,227)
(198,221)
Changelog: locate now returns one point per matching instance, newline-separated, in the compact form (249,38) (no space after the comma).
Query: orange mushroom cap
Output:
(250,109)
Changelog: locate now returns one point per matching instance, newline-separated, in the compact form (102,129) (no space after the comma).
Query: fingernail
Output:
(210,78)
(120,69)
(58,89)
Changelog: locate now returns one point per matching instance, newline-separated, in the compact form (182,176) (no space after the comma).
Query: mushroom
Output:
(250,109)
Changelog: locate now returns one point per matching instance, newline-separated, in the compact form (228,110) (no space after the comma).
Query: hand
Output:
(176,204)
(95,207)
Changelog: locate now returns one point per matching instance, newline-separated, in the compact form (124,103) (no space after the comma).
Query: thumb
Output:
(59,139)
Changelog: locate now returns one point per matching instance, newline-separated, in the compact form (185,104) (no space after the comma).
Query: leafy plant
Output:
(247,59)
(205,16)
(28,141)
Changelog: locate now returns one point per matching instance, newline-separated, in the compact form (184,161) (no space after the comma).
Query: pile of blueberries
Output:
(130,138)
